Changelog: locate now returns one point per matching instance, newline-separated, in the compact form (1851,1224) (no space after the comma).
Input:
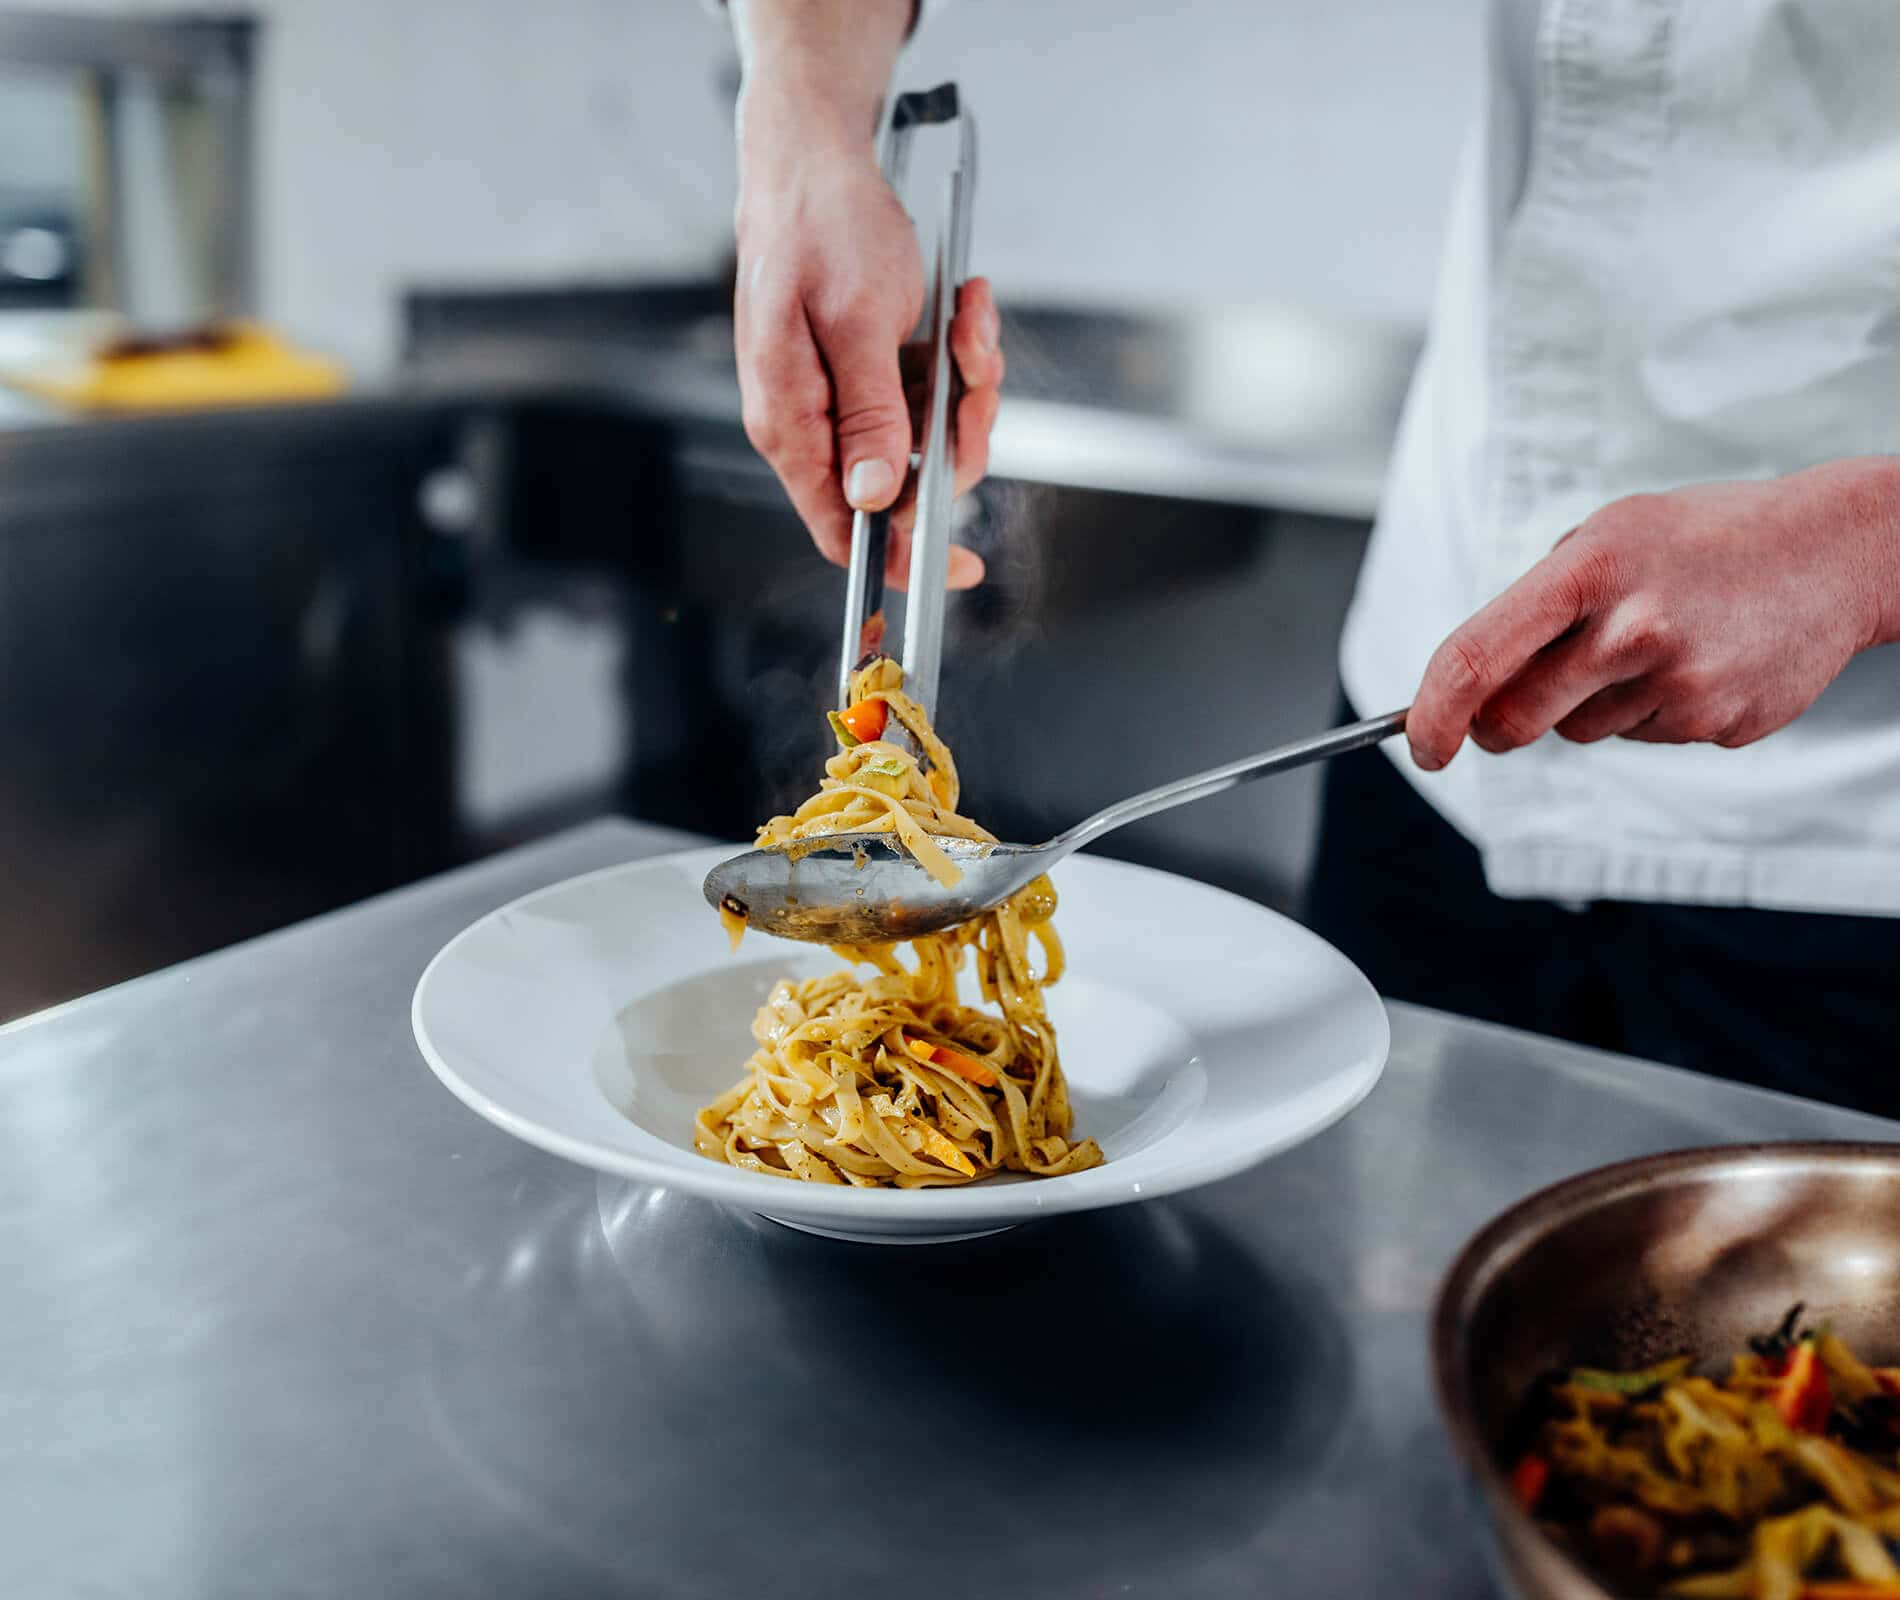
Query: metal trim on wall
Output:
(178,47)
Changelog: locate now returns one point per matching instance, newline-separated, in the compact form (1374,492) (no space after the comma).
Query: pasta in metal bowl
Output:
(878,1075)
(1775,1480)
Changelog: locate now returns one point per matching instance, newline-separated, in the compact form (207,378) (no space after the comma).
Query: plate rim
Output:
(959,1203)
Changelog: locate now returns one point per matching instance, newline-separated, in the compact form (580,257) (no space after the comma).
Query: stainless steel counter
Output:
(282,1318)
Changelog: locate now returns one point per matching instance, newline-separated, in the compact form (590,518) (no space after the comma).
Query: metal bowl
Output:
(1687,1252)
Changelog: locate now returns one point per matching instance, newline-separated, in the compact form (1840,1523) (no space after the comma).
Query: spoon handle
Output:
(1334,742)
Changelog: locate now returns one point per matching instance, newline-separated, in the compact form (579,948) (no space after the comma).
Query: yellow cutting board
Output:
(237,365)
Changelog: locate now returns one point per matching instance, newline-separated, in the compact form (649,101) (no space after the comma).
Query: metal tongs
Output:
(932,473)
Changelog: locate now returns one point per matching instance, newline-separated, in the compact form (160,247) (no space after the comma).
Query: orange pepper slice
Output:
(1801,1398)
(1528,1480)
(865,720)
(954,1061)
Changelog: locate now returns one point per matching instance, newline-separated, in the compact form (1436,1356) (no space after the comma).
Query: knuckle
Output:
(1696,722)
(761,428)
(975,422)
(1597,575)
(835,317)
(854,305)
(783,370)
(1463,665)
(871,418)
(784,423)
(1735,728)
(1694,689)
(1642,629)
(1506,726)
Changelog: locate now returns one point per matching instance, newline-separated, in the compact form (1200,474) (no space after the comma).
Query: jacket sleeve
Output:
(918,9)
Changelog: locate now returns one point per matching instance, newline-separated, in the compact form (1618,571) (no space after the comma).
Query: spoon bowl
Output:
(865,888)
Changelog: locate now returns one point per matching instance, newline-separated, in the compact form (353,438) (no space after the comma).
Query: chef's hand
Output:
(831,281)
(1715,614)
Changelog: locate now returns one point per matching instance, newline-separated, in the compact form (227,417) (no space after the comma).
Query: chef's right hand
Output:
(830,285)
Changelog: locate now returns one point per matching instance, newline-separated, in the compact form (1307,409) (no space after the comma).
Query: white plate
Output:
(1200,1032)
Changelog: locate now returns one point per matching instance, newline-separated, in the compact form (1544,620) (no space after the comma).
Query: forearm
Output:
(816,71)
(830,278)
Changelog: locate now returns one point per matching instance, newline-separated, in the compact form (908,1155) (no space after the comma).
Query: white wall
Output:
(1295,150)
(1133,151)
(484,140)
(41,134)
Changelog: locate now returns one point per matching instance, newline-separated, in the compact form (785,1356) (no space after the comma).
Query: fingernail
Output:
(990,335)
(869,480)
(1426,761)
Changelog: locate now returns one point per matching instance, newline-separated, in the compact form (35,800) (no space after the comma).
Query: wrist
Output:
(1872,506)
(1859,517)
(1881,500)
(815,73)
(784,116)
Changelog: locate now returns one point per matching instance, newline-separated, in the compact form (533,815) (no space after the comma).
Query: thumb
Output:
(873,420)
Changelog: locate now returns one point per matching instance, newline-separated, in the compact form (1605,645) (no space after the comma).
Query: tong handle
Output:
(931,468)
(863,597)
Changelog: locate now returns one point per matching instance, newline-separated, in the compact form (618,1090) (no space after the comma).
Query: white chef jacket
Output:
(1673,256)
(718,7)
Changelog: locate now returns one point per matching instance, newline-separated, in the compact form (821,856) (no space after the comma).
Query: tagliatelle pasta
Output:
(883,1077)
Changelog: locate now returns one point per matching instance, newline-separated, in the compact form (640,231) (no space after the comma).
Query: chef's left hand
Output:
(1715,613)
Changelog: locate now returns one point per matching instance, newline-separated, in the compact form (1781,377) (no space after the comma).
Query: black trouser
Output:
(1800,1001)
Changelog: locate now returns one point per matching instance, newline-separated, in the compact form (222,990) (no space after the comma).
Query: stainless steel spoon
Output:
(865,888)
